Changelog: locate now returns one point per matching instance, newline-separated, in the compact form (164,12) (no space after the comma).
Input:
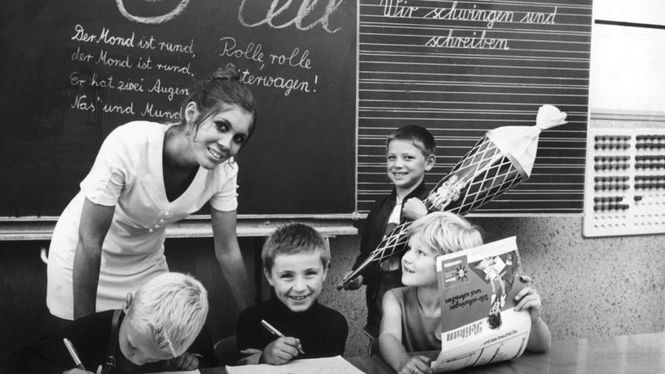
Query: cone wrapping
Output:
(520,143)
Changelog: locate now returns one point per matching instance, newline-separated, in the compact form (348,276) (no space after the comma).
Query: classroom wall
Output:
(590,287)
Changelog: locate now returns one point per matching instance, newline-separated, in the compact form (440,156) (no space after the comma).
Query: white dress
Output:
(128,174)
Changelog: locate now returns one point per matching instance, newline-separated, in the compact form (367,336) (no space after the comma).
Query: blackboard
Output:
(73,70)
(359,70)
(461,68)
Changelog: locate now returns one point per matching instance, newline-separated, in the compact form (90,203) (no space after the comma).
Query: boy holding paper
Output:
(293,324)
(412,315)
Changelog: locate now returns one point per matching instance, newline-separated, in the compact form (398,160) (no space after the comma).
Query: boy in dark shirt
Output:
(410,154)
(295,261)
(156,331)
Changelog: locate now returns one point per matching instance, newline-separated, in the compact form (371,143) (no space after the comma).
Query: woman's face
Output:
(221,135)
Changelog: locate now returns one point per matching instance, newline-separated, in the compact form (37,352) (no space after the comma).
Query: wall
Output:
(589,287)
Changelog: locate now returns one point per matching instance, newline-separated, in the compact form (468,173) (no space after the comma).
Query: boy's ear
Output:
(266,273)
(325,271)
(429,163)
(128,302)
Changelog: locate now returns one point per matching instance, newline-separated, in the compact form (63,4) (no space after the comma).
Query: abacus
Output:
(624,191)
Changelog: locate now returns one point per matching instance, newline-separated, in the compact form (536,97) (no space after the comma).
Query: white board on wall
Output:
(635,11)
(627,69)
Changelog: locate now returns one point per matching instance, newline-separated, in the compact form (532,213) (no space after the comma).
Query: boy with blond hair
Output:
(412,314)
(296,259)
(153,332)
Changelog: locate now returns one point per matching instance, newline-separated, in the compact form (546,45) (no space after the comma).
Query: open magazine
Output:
(479,324)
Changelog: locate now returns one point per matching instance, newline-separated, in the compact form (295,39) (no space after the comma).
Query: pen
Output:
(72,352)
(274,331)
(270,328)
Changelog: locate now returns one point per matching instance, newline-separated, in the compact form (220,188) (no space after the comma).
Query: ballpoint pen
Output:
(274,331)
(72,352)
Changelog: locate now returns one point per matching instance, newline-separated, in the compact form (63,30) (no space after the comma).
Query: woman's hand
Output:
(416,365)
(281,351)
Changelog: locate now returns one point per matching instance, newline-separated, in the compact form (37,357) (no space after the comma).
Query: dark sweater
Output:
(90,337)
(322,331)
(372,232)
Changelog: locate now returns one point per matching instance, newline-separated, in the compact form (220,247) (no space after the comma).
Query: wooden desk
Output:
(627,354)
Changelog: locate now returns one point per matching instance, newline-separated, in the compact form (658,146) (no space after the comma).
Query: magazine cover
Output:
(479,324)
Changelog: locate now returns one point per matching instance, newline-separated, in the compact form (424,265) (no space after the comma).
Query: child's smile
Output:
(297,279)
(418,266)
(406,165)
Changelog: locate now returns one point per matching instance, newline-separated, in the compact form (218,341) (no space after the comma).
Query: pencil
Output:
(270,328)
(72,352)
(274,331)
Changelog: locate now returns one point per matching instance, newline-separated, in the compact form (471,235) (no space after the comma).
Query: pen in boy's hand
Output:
(72,352)
(274,331)
(270,328)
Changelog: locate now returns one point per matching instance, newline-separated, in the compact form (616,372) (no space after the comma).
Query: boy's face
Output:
(406,164)
(137,345)
(297,279)
(419,265)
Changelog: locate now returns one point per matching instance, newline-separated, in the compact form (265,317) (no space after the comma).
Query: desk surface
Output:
(634,354)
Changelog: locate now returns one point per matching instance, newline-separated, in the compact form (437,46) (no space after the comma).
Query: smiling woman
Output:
(110,238)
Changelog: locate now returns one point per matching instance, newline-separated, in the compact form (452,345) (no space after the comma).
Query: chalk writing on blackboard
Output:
(177,10)
(477,39)
(92,87)
(302,20)
(305,9)
(297,58)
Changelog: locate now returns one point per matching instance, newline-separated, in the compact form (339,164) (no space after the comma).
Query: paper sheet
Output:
(327,365)
(477,288)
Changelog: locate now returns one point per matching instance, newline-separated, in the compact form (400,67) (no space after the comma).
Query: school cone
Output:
(499,161)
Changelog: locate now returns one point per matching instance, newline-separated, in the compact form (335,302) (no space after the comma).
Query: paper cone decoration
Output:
(499,161)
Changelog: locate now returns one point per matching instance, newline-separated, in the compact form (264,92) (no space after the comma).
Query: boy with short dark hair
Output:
(410,154)
(153,332)
(296,259)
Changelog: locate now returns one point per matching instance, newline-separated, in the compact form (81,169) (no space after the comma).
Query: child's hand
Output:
(413,209)
(281,351)
(354,283)
(186,361)
(529,299)
(416,365)
(252,356)
(77,371)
